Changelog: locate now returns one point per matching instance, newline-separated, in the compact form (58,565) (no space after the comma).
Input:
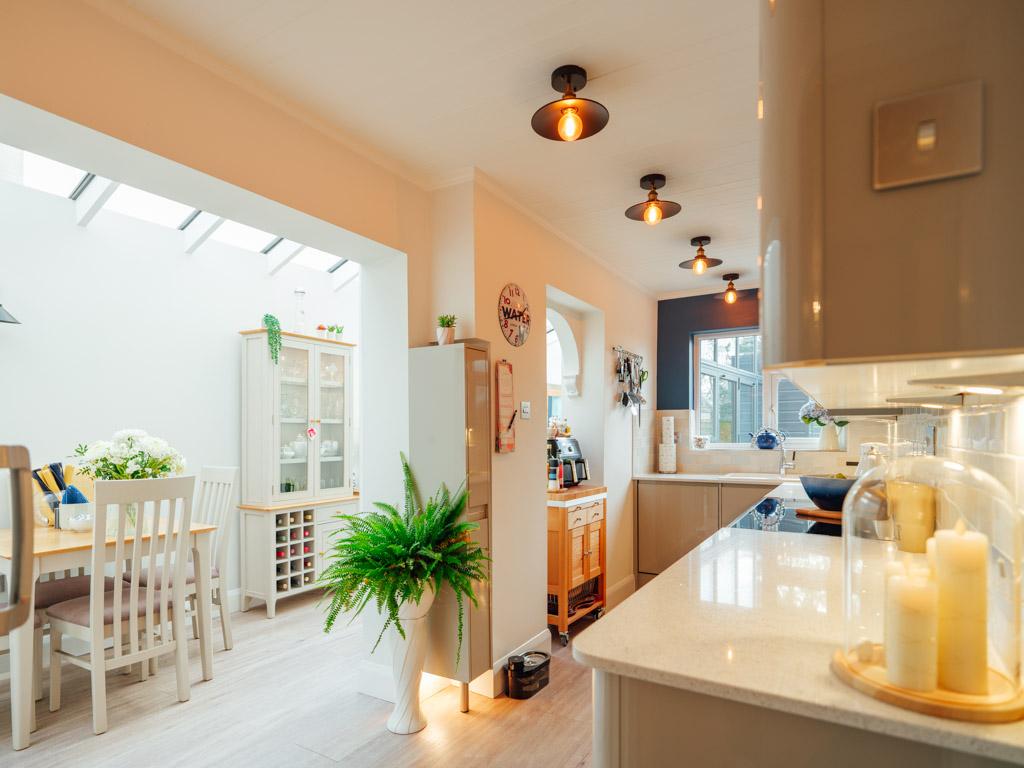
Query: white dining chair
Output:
(214,504)
(145,620)
(37,668)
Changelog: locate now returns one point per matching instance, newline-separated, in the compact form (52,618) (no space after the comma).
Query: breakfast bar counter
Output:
(723,660)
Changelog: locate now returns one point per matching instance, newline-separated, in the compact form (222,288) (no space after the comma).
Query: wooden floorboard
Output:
(286,697)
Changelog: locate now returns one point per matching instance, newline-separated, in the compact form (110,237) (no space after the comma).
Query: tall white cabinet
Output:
(450,442)
(296,461)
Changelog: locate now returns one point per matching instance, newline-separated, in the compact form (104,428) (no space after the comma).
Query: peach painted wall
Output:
(107,70)
(512,247)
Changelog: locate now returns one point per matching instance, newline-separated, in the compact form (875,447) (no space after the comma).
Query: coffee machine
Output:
(566,451)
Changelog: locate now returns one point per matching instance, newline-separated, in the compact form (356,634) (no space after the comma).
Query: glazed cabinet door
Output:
(333,413)
(294,405)
(672,519)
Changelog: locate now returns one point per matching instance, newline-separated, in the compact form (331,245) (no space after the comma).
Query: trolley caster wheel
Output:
(598,613)
(564,638)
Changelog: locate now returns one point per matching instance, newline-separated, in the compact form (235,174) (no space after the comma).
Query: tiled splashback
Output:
(987,435)
(647,435)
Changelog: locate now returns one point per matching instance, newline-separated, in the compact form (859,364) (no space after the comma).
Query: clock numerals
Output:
(514,314)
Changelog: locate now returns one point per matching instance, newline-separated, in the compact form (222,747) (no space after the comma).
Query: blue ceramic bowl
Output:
(827,492)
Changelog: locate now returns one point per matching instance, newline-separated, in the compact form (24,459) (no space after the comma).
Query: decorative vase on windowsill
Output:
(815,413)
(399,561)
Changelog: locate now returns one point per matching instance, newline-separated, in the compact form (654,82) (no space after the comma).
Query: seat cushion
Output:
(190,575)
(77,611)
(59,590)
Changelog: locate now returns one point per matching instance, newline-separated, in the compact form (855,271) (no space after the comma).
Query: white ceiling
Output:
(445,86)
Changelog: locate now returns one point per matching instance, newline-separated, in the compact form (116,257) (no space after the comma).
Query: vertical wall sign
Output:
(505,434)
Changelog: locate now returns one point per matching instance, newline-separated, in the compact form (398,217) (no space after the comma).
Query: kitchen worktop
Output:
(755,617)
(729,478)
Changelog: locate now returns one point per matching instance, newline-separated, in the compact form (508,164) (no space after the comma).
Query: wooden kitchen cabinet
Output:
(672,519)
(576,555)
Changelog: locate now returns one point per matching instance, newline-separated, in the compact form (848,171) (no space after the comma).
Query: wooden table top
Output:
(576,492)
(50,541)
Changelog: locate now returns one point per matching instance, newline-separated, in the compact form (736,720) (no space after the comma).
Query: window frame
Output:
(769,392)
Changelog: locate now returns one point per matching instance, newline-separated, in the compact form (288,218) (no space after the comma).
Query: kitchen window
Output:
(734,397)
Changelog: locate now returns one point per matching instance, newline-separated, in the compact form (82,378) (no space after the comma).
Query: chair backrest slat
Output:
(215,499)
(161,509)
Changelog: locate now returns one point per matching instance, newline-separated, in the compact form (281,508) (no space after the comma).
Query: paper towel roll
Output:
(668,430)
(667,458)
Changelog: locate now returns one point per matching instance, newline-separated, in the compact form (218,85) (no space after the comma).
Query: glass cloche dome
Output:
(932,554)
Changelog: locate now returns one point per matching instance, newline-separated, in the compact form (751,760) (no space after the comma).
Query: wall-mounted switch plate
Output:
(929,136)
(524,409)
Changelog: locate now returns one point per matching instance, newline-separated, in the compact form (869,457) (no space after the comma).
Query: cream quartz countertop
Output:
(731,478)
(755,617)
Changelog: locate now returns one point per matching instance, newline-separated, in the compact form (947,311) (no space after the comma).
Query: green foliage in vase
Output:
(446,321)
(390,557)
(273,326)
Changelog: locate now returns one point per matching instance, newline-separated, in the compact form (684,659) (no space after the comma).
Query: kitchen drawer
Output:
(581,514)
(672,519)
(328,512)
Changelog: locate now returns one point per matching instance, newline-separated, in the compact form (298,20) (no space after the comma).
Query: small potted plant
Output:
(815,413)
(321,331)
(399,561)
(338,330)
(446,329)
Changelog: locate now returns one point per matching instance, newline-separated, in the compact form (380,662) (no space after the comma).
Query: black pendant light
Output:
(652,210)
(570,118)
(730,294)
(7,317)
(700,263)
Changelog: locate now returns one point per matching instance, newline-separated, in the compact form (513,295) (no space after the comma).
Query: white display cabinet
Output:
(296,454)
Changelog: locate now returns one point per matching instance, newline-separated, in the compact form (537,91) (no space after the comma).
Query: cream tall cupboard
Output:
(296,454)
(450,442)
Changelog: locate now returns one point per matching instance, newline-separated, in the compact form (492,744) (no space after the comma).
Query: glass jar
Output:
(932,557)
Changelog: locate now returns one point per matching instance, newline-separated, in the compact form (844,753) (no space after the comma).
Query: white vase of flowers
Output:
(815,413)
(131,454)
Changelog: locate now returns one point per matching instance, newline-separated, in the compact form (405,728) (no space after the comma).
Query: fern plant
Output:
(389,557)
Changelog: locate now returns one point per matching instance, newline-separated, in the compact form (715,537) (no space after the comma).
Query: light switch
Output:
(524,409)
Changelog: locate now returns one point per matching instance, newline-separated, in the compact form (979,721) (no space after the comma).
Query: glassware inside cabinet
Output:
(332,421)
(293,416)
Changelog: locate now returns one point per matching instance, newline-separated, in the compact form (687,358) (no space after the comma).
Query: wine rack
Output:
(295,537)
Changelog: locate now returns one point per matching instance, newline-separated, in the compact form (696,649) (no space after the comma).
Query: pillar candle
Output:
(892,568)
(912,509)
(911,625)
(961,569)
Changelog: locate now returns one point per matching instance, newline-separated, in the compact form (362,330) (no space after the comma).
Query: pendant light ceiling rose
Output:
(699,242)
(641,211)
(570,118)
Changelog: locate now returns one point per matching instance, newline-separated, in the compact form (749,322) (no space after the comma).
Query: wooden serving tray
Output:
(820,514)
(1003,705)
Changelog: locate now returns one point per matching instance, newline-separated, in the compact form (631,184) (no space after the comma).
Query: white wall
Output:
(120,328)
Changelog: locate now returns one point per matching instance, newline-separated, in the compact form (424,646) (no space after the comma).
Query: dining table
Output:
(59,550)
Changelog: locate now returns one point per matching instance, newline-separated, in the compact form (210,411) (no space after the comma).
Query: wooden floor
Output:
(285,696)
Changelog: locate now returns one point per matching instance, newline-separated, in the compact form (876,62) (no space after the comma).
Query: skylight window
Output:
(48,175)
(346,272)
(242,236)
(314,259)
(147,206)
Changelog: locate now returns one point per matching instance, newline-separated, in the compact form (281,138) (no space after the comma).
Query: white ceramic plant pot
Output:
(407,666)
(446,335)
(828,440)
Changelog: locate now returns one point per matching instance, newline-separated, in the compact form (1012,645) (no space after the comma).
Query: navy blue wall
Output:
(678,320)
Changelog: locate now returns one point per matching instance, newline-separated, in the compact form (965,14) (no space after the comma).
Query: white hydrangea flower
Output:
(126,434)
